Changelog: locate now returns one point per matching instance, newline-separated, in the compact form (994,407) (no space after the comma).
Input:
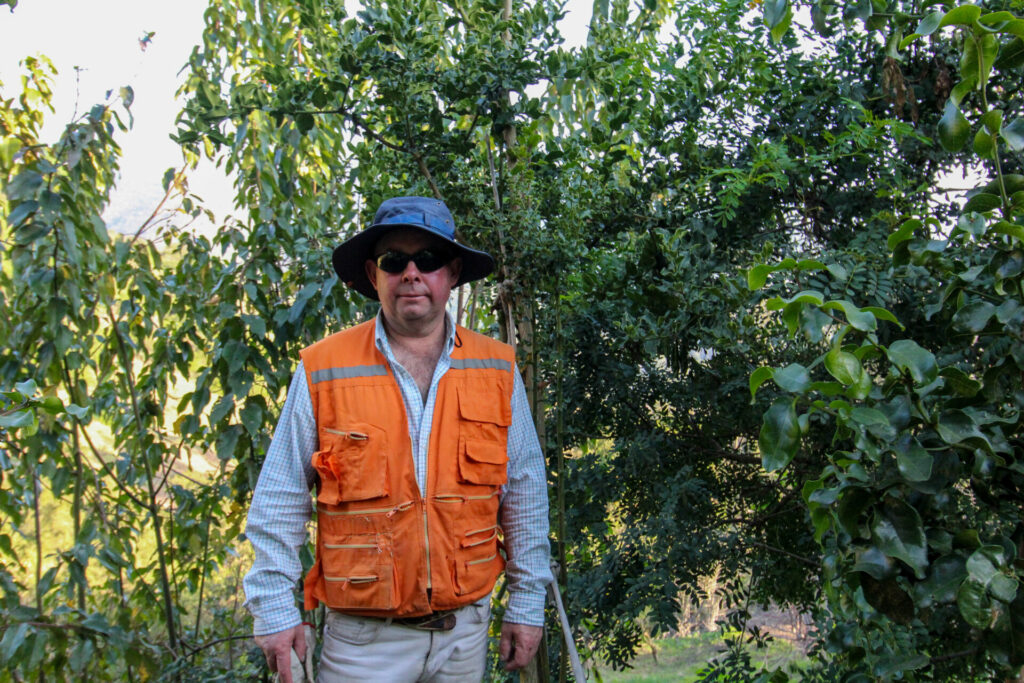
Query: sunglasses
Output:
(426,260)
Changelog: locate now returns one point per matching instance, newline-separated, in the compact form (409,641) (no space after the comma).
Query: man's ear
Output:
(455,268)
(371,272)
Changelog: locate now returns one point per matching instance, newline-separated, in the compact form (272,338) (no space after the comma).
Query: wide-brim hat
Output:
(421,213)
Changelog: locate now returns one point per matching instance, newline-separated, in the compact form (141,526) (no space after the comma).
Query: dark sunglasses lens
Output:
(426,260)
(392,261)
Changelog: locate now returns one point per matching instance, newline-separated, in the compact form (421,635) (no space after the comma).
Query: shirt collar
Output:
(381,335)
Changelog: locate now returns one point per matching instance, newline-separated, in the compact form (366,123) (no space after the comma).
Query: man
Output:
(418,437)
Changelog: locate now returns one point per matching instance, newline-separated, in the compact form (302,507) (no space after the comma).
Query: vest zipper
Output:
(401,507)
(355,436)
(426,544)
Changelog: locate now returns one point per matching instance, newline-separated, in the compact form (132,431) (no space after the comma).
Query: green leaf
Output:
(984,563)
(77,411)
(819,20)
(930,24)
(838,273)
(996,21)
(810,264)
(898,532)
(964,15)
(19,418)
(52,405)
(757,276)
(1011,229)
(960,382)
(791,316)
(956,427)
(226,442)
(874,562)
(882,314)
(953,128)
(14,636)
(804,297)
(27,388)
(1003,587)
(993,120)
(1011,56)
(256,325)
(912,460)
(984,146)
(1014,134)
(858,9)
(775,12)
(252,417)
(23,186)
(844,366)
(21,212)
(81,655)
(780,435)
(794,378)
(221,409)
(974,603)
(974,316)
(757,378)
(983,202)
(305,122)
(851,507)
(779,30)
(910,358)
(889,598)
(904,232)
(857,317)
(944,578)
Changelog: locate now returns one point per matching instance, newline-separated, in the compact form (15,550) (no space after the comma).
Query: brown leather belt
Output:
(435,621)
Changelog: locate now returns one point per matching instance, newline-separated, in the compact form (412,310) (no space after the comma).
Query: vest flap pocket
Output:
(362,587)
(483,462)
(358,571)
(353,463)
(484,404)
(477,571)
(477,537)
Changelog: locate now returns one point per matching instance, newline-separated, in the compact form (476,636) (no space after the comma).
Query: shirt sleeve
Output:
(280,510)
(524,516)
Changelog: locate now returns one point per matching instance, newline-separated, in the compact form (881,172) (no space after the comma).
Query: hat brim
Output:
(349,257)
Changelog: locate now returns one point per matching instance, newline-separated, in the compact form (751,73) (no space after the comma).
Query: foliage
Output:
(654,199)
(86,324)
(914,505)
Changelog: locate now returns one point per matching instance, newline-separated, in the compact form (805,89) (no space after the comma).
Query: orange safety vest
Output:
(382,548)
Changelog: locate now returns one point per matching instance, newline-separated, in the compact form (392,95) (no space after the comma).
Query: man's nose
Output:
(411,272)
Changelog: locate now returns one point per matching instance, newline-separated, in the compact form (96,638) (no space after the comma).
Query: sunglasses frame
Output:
(444,258)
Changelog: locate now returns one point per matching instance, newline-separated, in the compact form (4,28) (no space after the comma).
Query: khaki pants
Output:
(367,649)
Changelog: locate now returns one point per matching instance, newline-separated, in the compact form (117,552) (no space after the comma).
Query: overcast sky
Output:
(101,37)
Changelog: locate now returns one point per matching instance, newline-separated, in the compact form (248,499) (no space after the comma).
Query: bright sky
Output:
(101,37)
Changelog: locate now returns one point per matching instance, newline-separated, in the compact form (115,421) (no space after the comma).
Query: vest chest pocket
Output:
(352,464)
(359,572)
(483,435)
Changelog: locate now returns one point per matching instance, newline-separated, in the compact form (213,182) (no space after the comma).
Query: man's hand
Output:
(277,648)
(518,644)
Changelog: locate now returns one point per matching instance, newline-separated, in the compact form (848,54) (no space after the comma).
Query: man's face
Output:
(412,300)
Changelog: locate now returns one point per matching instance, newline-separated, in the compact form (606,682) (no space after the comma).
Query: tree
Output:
(912,508)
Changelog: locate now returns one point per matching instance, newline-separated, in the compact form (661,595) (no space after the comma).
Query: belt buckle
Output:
(443,621)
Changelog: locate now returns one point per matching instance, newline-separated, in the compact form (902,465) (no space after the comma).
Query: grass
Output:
(680,659)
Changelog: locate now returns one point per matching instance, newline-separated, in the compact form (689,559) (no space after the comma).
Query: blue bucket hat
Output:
(422,213)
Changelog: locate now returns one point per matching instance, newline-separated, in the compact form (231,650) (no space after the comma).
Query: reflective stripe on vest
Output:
(327,374)
(480,364)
